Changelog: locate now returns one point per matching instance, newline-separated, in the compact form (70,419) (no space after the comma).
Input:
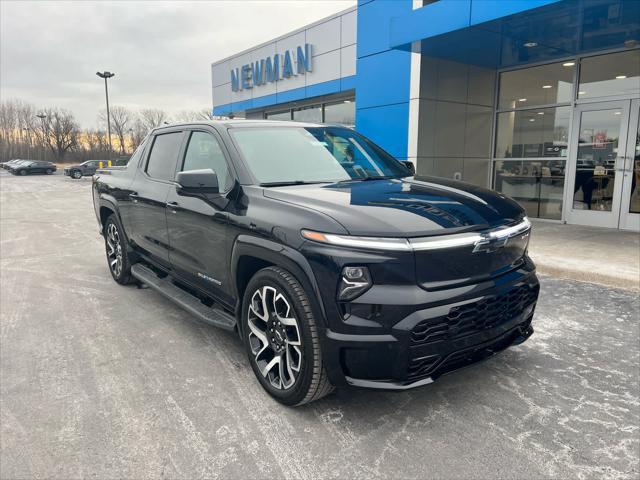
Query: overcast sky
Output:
(161,52)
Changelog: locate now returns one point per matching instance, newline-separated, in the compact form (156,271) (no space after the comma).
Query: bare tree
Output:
(138,131)
(121,119)
(152,118)
(194,115)
(60,131)
(17,122)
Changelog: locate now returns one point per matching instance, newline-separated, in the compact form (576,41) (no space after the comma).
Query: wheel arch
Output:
(251,254)
(107,208)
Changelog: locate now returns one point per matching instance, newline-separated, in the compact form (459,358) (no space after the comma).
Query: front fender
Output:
(283,256)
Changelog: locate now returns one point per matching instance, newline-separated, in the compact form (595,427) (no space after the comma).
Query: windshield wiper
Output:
(290,182)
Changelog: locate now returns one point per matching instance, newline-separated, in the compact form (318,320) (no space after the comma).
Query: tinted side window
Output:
(204,151)
(137,154)
(164,155)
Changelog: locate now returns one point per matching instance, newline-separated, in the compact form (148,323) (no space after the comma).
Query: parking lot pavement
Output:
(99,380)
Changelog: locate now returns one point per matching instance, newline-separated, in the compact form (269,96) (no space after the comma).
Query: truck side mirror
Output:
(409,165)
(194,182)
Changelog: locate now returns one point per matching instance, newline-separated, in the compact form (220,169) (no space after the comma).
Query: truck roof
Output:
(239,123)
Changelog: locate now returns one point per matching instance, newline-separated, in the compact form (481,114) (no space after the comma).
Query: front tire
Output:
(116,249)
(281,338)
(77,174)
(22,172)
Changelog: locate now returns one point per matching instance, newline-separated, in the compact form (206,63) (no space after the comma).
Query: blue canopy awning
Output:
(503,33)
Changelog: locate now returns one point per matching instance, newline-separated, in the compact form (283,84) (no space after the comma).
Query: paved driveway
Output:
(99,380)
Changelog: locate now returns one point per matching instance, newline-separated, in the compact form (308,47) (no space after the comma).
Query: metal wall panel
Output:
(222,94)
(348,61)
(325,37)
(348,29)
(220,72)
(326,67)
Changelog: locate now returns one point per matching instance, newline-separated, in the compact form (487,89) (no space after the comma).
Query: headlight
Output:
(353,283)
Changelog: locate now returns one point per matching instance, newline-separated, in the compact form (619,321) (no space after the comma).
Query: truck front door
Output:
(197,225)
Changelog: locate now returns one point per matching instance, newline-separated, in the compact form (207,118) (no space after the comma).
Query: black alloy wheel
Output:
(281,337)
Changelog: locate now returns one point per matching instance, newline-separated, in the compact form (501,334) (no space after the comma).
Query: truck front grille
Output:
(472,318)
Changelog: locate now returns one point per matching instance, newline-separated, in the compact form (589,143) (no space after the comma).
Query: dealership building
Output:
(538,99)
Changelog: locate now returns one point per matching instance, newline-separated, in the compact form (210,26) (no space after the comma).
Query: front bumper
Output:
(461,327)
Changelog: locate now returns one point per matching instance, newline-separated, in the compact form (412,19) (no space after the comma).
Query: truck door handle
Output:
(173,206)
(133,197)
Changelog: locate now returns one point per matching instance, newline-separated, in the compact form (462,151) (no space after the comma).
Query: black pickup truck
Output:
(335,264)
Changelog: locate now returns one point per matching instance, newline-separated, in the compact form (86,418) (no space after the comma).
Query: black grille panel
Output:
(475,317)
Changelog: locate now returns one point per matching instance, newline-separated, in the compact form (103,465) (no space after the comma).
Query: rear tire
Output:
(281,338)
(116,249)
(49,171)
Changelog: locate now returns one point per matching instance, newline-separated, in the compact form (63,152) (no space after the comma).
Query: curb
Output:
(554,270)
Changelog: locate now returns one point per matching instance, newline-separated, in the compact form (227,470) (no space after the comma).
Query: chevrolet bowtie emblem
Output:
(488,245)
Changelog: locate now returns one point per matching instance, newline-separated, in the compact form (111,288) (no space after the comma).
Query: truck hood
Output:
(405,207)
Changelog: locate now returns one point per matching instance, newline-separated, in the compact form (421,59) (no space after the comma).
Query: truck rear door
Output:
(149,192)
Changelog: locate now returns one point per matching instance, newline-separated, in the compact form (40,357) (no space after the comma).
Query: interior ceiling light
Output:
(617,113)
(540,113)
(568,64)
(547,86)
(532,119)
(620,77)
(522,99)
(582,93)
(530,44)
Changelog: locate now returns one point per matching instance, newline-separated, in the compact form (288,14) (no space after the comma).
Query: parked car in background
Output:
(29,167)
(85,168)
(8,164)
(332,261)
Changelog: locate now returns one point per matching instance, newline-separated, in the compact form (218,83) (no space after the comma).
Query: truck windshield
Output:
(283,155)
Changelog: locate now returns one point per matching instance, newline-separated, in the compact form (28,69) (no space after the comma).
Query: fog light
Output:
(355,281)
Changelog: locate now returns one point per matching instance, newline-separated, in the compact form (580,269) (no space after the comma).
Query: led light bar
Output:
(375,243)
(436,242)
(521,227)
(445,241)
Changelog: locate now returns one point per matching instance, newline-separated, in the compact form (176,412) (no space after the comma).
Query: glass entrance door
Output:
(598,154)
(630,209)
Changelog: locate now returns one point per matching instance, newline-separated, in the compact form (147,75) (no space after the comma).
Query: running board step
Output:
(213,315)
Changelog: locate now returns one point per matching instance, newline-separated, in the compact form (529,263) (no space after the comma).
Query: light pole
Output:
(107,75)
(133,141)
(42,116)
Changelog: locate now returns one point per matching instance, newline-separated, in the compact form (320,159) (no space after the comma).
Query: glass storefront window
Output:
(608,75)
(286,115)
(537,185)
(543,85)
(308,114)
(535,133)
(343,113)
